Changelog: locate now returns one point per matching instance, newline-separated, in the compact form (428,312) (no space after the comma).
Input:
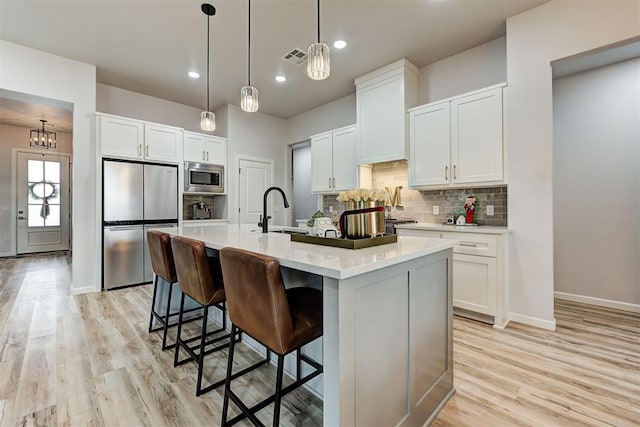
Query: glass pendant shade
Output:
(207,121)
(318,67)
(249,99)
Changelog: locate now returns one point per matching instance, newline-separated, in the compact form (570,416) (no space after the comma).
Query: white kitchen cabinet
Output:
(478,272)
(162,143)
(333,161)
(120,137)
(205,149)
(382,99)
(134,139)
(458,141)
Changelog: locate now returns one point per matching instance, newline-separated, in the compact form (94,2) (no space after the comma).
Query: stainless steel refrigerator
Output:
(136,196)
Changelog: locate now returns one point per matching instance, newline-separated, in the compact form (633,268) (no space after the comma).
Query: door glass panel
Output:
(43,193)
(35,220)
(35,170)
(52,172)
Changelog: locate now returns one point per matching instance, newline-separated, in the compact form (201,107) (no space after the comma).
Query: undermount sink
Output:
(289,231)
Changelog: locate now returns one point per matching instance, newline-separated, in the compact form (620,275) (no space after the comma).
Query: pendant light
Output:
(318,67)
(249,94)
(207,118)
(41,138)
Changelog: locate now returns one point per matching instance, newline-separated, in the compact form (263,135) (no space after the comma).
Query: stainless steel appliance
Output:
(136,196)
(200,211)
(390,224)
(203,178)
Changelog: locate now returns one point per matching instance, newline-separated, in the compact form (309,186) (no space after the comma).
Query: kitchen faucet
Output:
(264,219)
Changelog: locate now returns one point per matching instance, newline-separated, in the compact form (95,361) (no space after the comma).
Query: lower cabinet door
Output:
(474,283)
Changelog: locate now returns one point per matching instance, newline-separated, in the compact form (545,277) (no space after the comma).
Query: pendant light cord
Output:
(318,21)
(249,49)
(208,20)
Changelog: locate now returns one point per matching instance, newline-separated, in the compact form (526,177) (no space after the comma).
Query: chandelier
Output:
(41,138)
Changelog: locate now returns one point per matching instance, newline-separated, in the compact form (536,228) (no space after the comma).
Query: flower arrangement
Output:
(362,195)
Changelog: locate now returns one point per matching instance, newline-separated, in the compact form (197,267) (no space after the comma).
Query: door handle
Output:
(446,173)
(454,171)
(22,217)
(207,156)
(146,153)
(334,182)
(329,182)
(203,155)
(139,149)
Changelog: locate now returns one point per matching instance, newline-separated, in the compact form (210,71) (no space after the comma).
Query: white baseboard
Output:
(549,325)
(618,305)
(84,290)
(7,254)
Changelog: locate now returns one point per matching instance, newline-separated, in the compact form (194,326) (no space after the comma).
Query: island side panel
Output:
(377,334)
(331,374)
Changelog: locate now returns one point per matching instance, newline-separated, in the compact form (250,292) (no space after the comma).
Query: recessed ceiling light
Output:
(193,75)
(339,44)
(280,78)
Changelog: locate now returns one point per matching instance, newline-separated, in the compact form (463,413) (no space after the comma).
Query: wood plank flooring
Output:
(88,360)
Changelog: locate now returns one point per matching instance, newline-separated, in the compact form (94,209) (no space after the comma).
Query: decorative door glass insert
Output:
(43,189)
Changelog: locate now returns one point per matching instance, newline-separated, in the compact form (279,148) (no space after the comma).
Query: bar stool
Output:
(283,320)
(159,244)
(199,277)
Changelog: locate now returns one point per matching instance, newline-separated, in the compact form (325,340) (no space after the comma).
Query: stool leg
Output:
(227,383)
(278,397)
(203,341)
(166,318)
(178,342)
(153,302)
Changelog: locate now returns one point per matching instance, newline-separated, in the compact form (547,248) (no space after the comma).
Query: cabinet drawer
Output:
(473,244)
(418,233)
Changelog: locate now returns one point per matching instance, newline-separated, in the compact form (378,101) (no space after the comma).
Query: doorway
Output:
(305,204)
(43,208)
(256,175)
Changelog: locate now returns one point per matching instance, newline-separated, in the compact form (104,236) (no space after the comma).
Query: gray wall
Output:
(596,184)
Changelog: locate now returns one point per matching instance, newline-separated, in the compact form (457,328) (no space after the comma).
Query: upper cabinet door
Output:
(429,162)
(121,137)
(322,163)
(194,147)
(345,172)
(162,143)
(216,150)
(476,137)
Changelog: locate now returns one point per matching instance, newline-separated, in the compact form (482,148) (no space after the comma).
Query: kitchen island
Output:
(387,343)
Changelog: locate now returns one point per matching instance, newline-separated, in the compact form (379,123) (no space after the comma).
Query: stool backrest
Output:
(199,276)
(161,255)
(256,297)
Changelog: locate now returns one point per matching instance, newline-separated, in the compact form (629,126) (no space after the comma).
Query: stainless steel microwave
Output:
(203,178)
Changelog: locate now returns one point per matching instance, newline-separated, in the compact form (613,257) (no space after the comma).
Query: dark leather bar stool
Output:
(283,320)
(161,255)
(200,277)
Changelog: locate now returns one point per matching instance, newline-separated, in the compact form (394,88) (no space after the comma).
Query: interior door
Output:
(255,178)
(42,202)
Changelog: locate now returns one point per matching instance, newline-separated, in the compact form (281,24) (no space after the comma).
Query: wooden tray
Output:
(345,243)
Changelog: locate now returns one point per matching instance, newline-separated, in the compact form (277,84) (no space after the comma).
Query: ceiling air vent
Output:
(296,56)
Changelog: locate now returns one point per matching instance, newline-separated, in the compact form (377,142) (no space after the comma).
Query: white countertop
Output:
(327,261)
(482,229)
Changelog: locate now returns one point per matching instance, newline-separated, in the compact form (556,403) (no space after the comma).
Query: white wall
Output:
(549,32)
(39,73)
(475,68)
(121,102)
(17,137)
(596,183)
(333,115)
(255,135)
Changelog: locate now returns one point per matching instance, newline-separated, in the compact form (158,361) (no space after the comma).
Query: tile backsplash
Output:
(190,199)
(419,204)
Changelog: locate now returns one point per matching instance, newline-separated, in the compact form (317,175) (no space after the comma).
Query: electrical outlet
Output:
(489,210)
(436,210)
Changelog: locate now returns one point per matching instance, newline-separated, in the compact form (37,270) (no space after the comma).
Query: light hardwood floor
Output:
(88,360)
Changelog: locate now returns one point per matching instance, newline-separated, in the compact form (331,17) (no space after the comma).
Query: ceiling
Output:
(147,46)
(19,109)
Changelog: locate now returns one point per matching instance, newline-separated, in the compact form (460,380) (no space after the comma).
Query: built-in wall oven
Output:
(203,178)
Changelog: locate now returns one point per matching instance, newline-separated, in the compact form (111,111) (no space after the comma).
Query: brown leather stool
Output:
(163,266)
(283,320)
(199,277)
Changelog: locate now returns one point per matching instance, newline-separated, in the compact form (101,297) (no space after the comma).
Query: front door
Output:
(42,202)
(255,178)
